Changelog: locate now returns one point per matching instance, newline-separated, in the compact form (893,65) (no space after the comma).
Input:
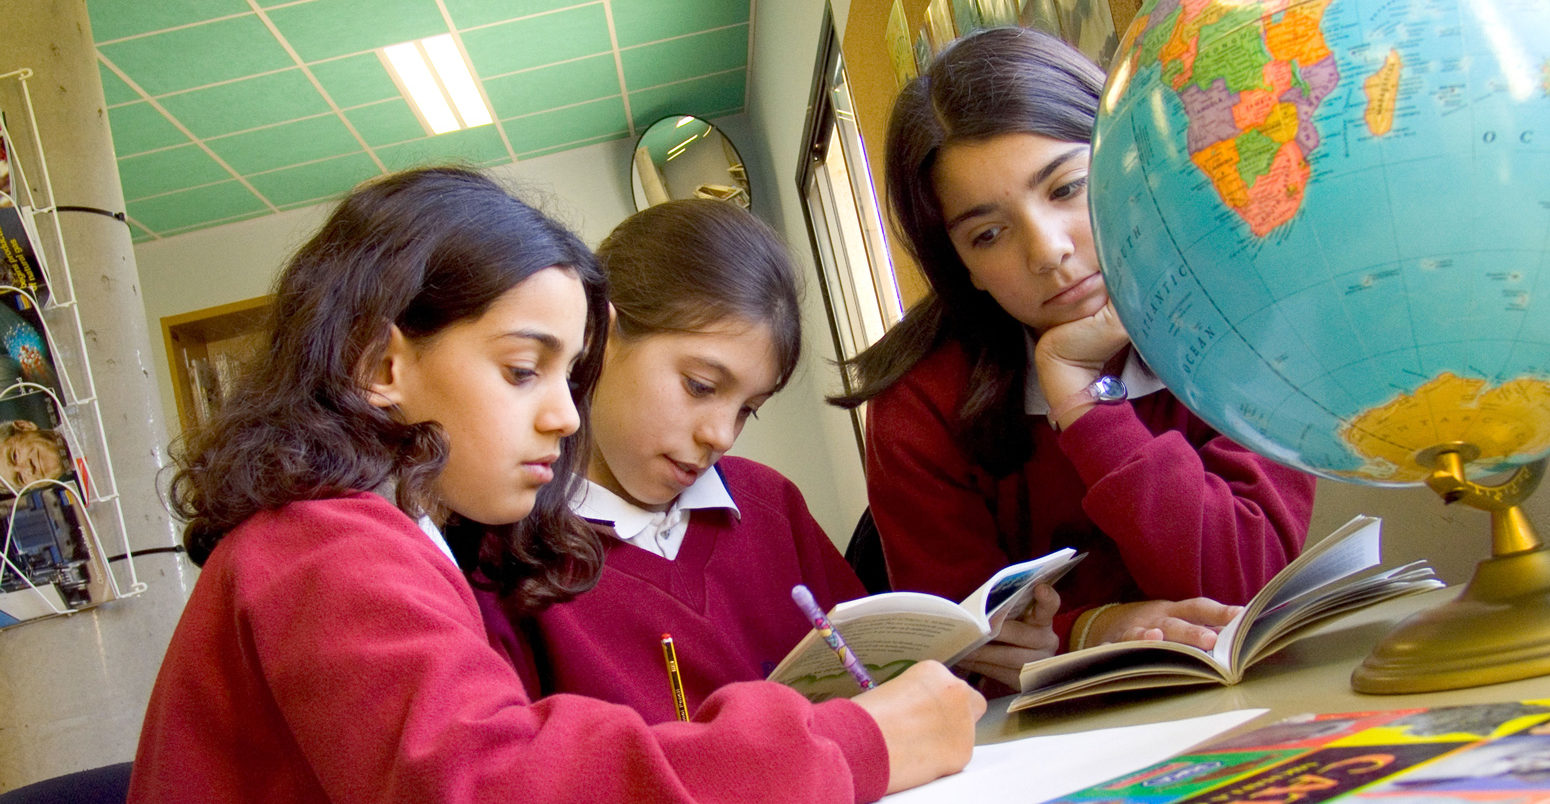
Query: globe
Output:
(1326,225)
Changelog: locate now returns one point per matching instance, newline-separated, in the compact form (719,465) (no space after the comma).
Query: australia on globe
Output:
(1326,224)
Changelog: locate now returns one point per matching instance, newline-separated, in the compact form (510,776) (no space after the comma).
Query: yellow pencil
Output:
(673,677)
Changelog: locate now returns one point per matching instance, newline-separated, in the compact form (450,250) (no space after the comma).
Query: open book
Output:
(889,632)
(1335,576)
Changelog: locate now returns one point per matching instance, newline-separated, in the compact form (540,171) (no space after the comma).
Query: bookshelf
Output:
(204,350)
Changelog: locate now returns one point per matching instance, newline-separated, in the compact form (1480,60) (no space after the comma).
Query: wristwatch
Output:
(1106,390)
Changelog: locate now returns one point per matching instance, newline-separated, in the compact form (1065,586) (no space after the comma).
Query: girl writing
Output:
(995,429)
(426,376)
(707,547)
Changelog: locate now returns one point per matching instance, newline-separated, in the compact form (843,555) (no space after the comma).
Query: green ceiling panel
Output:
(114,90)
(301,141)
(192,207)
(165,171)
(386,123)
(241,105)
(185,58)
(355,80)
(640,21)
(138,234)
(474,145)
(316,181)
(226,72)
(115,19)
(216,222)
(535,41)
(548,87)
(321,30)
(474,13)
(139,127)
(585,121)
(686,57)
(711,96)
(573,145)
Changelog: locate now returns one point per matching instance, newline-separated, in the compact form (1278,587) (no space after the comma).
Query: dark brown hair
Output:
(992,82)
(422,250)
(685,265)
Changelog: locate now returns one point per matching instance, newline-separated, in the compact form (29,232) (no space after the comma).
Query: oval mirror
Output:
(685,157)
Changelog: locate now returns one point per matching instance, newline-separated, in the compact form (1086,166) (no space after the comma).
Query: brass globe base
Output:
(1498,628)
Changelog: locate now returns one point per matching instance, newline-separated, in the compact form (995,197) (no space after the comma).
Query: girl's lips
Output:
(684,473)
(1078,291)
(542,470)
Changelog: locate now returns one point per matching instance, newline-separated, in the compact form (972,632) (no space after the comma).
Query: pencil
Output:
(675,680)
(809,606)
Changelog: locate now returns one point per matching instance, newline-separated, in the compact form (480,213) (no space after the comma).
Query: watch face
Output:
(1108,389)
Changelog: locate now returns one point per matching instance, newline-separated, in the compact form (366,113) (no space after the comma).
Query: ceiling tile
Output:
(216,222)
(685,57)
(303,141)
(138,234)
(572,145)
(193,207)
(386,123)
(199,55)
(221,71)
(139,127)
(322,30)
(548,87)
(315,181)
(545,39)
(115,19)
(355,80)
(711,96)
(164,171)
(476,145)
(584,121)
(639,21)
(241,105)
(114,90)
(472,13)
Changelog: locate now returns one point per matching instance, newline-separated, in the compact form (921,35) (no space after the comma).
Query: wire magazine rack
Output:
(59,496)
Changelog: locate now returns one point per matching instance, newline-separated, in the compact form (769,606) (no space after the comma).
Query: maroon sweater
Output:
(1165,507)
(726,599)
(330,652)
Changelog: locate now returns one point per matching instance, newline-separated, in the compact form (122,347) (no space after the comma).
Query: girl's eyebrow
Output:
(1038,178)
(547,340)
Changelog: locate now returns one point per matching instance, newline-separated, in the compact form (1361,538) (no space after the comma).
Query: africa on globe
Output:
(1326,224)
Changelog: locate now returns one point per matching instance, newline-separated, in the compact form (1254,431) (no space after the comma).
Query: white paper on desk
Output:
(1036,769)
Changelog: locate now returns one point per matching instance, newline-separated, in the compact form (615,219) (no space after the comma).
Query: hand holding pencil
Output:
(926,714)
(804,600)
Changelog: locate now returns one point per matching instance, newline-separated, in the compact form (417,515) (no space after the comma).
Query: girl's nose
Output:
(559,414)
(1048,245)
(718,432)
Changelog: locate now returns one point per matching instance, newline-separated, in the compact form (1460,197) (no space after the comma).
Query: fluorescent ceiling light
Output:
(412,63)
(457,79)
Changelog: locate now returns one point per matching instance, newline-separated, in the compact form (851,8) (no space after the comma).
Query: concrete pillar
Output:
(73,689)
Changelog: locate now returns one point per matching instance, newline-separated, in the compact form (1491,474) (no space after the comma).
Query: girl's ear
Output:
(385,378)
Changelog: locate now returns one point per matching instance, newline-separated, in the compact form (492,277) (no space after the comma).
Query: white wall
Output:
(797,430)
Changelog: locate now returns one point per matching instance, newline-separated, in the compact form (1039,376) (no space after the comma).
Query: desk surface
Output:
(1310,675)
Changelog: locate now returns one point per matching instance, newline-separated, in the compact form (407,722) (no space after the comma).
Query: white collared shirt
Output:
(1138,378)
(660,532)
(429,529)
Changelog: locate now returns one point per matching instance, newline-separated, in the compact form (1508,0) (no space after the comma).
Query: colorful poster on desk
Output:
(1484,752)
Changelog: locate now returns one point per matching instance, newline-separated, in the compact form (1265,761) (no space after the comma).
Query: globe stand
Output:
(1498,628)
